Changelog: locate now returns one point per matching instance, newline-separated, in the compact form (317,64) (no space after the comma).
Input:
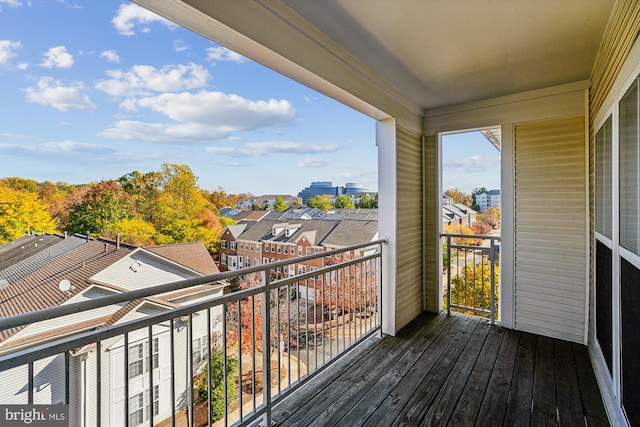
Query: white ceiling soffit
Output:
(407,56)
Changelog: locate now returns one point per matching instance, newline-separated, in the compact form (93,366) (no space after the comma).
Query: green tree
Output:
(344,201)
(218,382)
(280,205)
(102,206)
(20,212)
(145,189)
(365,201)
(319,202)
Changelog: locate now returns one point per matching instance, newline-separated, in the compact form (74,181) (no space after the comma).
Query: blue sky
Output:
(92,90)
(469,161)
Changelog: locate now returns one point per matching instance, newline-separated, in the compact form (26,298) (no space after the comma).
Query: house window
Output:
(136,409)
(223,244)
(302,269)
(240,261)
(139,360)
(630,170)
(285,250)
(279,249)
(265,260)
(233,245)
(241,246)
(308,250)
(136,360)
(199,351)
(604,179)
(299,250)
(223,258)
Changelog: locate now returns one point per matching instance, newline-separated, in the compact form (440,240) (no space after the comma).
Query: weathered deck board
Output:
(456,371)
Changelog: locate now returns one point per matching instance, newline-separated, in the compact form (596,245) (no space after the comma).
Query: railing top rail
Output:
(471,236)
(63,310)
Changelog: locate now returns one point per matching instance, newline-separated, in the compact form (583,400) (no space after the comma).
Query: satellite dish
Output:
(64,285)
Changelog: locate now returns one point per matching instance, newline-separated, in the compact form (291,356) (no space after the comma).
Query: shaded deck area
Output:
(452,371)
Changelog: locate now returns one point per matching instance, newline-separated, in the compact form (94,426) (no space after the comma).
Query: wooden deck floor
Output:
(452,371)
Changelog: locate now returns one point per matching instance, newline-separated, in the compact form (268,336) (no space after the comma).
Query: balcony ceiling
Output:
(407,54)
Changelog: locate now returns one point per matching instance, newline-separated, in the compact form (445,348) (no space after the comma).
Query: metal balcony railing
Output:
(229,357)
(471,272)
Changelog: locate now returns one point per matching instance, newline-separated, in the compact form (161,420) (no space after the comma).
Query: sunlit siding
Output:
(409,295)
(550,228)
(432,300)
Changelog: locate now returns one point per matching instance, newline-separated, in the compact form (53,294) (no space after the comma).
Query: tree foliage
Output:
(319,202)
(22,211)
(472,286)
(218,382)
(459,197)
(344,201)
(459,229)
(100,208)
(365,201)
(490,217)
(280,205)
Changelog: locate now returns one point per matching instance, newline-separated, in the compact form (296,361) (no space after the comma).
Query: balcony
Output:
(329,363)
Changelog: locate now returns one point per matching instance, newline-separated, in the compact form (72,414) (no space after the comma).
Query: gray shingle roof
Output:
(192,254)
(351,232)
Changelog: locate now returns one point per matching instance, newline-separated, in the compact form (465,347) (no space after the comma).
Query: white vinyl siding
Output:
(550,239)
(409,293)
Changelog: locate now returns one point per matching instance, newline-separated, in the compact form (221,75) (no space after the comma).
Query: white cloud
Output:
(220,53)
(22,66)
(314,162)
(64,98)
(472,164)
(57,57)
(163,133)
(145,79)
(180,45)
(260,149)
(11,3)
(7,50)
(131,17)
(111,55)
(230,112)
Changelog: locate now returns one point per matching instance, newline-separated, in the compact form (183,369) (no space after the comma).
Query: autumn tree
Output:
(245,318)
(22,211)
(344,201)
(280,205)
(135,231)
(349,289)
(459,197)
(459,229)
(319,202)
(102,206)
(472,286)
(490,217)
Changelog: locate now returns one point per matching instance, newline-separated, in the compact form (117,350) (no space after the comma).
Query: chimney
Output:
(87,236)
(117,241)
(106,247)
(66,234)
